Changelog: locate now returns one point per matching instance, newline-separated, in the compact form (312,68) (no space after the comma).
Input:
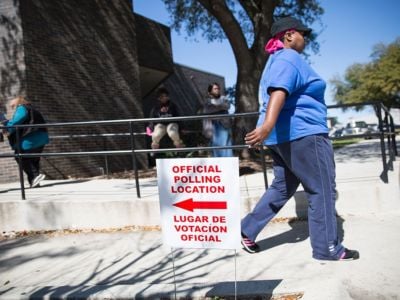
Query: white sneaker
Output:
(37,180)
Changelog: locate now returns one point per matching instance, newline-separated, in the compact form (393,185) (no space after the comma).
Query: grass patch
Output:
(345,142)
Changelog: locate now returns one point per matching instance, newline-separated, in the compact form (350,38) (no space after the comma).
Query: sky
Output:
(351,29)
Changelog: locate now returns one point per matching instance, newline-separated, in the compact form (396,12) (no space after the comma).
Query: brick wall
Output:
(80,65)
(154,40)
(80,60)
(12,73)
(12,65)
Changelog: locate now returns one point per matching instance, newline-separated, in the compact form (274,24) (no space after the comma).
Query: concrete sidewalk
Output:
(134,264)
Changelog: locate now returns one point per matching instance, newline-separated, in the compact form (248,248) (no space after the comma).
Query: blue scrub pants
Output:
(309,161)
(221,137)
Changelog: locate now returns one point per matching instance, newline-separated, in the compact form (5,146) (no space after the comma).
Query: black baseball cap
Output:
(288,23)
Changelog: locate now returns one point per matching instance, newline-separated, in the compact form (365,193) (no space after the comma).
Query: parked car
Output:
(355,127)
(336,132)
(372,129)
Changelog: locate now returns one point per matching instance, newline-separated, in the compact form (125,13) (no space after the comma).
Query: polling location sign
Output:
(200,202)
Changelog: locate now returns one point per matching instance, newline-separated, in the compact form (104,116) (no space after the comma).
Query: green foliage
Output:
(246,25)
(196,16)
(192,15)
(378,80)
(337,144)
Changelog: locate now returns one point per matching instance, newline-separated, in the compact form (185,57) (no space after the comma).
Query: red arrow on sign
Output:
(190,205)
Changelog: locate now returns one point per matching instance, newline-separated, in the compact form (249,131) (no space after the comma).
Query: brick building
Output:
(87,61)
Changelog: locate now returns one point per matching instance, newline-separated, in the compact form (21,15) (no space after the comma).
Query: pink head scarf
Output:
(275,43)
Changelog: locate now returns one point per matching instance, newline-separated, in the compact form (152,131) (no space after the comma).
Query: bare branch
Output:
(230,26)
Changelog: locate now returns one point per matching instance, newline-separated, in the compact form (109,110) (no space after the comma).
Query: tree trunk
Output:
(246,100)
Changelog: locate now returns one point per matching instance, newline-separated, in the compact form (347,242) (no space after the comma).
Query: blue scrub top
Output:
(304,112)
(34,139)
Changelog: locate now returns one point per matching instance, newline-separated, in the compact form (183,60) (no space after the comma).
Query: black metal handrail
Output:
(386,129)
(132,151)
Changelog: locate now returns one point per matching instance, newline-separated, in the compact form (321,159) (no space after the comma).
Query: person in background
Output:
(218,130)
(164,109)
(3,119)
(292,124)
(31,139)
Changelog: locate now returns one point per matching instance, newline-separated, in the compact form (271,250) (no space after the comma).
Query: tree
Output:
(246,24)
(378,80)
(230,93)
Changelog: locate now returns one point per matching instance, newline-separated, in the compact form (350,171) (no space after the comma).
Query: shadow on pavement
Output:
(361,152)
(64,182)
(44,184)
(124,272)
(299,227)
(255,289)
(10,190)
(17,260)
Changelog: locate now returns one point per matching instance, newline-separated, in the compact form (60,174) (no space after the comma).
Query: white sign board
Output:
(200,202)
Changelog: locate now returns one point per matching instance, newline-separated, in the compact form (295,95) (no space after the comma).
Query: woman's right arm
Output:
(275,104)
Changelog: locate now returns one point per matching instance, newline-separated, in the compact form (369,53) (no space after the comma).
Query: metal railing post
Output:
(134,162)
(264,166)
(390,148)
(393,136)
(106,165)
(19,158)
(382,139)
(105,160)
(386,128)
